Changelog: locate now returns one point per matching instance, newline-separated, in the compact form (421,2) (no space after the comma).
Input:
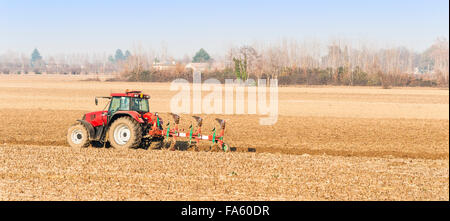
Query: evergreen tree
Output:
(127,54)
(35,57)
(111,59)
(119,55)
(201,56)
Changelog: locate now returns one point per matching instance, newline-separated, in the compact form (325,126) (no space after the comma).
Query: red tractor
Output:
(127,123)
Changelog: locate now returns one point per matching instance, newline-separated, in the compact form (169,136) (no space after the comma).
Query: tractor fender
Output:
(133,114)
(89,128)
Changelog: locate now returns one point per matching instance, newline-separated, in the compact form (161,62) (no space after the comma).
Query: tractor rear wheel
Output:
(125,132)
(77,136)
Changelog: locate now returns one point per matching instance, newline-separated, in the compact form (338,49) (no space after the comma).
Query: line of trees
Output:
(310,63)
(291,62)
(340,63)
(73,64)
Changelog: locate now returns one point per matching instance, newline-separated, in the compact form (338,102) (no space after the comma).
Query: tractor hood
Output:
(96,118)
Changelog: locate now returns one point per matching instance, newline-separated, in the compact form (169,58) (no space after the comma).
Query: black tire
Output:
(77,136)
(125,132)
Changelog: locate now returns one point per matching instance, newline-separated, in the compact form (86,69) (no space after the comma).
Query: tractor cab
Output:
(129,101)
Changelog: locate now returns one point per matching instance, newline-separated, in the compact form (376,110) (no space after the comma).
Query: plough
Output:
(194,136)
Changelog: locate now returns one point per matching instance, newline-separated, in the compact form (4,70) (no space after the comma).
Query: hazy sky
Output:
(185,26)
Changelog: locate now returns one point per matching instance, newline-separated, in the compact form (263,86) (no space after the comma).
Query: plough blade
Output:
(176,118)
(221,122)
(199,120)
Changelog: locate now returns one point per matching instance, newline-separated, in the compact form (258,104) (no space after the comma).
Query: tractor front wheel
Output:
(77,136)
(125,132)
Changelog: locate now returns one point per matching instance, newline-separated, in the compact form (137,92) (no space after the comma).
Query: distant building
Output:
(164,66)
(199,66)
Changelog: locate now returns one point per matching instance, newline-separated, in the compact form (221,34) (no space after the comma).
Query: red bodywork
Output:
(97,118)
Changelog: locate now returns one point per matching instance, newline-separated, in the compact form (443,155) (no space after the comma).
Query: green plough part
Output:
(214,136)
(190,136)
(168,130)
(225,147)
(157,121)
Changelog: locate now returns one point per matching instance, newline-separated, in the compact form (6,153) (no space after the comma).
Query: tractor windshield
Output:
(128,103)
(139,105)
(119,103)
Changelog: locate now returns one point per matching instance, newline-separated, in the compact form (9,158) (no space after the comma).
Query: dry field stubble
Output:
(61,173)
(329,143)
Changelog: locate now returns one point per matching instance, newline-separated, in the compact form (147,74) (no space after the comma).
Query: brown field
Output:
(330,143)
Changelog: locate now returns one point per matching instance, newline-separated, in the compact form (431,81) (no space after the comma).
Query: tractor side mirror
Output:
(96,101)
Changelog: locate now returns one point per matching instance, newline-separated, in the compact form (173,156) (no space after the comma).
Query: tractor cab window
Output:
(119,104)
(139,105)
